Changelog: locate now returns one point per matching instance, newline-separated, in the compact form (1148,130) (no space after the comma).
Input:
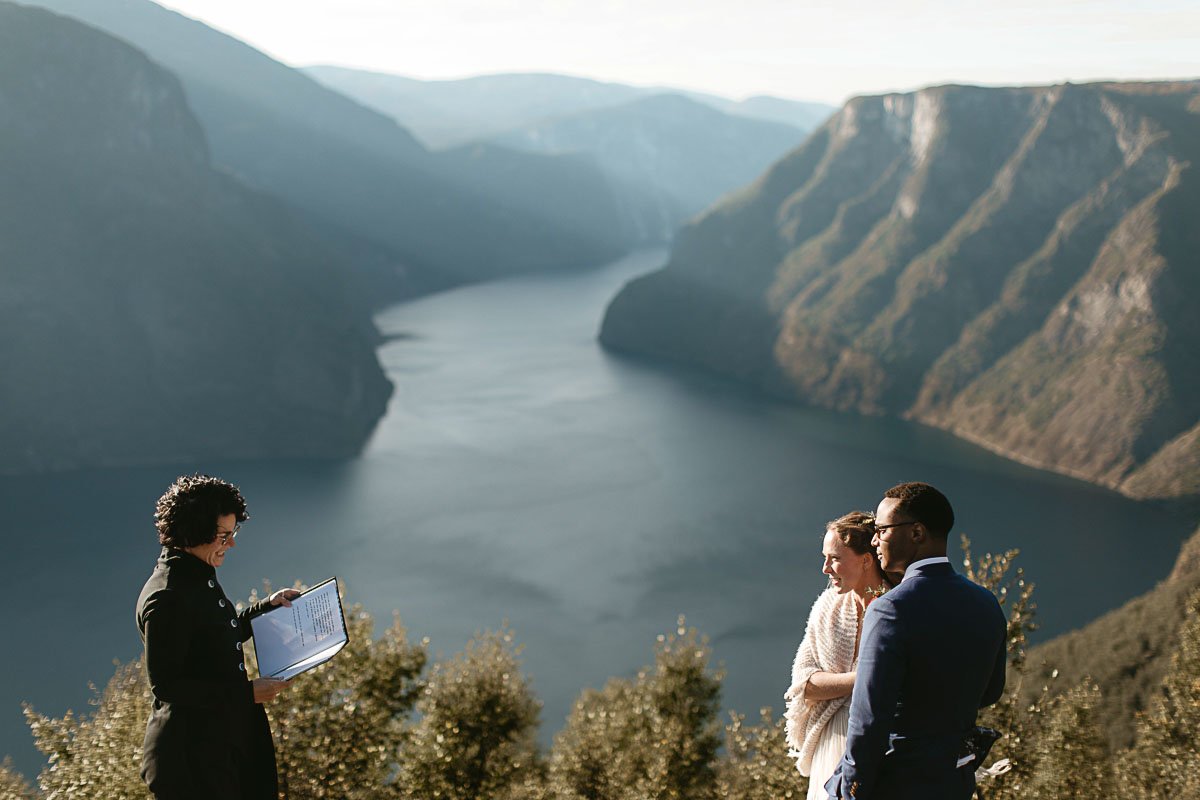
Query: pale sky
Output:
(799,49)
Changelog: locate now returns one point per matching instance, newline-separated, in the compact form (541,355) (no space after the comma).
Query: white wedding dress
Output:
(830,747)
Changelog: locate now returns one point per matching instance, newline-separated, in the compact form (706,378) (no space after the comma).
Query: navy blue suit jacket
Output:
(931,655)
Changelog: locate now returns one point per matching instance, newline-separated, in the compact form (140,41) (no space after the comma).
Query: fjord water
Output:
(522,474)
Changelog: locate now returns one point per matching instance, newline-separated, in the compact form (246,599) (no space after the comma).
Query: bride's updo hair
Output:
(855,530)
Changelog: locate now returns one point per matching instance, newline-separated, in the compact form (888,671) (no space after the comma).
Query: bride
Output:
(818,701)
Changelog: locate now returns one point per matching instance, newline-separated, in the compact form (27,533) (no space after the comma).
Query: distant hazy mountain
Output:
(454,112)
(281,131)
(1017,266)
(679,154)
(799,114)
(152,308)
(668,155)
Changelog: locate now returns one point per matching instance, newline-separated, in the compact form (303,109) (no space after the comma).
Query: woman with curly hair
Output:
(818,701)
(208,735)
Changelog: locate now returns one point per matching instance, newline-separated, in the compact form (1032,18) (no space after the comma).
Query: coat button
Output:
(233,623)
(239,645)
(221,603)
(242,667)
(212,584)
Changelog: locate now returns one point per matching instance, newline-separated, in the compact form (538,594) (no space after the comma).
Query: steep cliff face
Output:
(151,308)
(1013,265)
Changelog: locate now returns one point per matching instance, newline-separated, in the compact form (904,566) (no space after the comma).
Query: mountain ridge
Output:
(966,257)
(450,112)
(344,164)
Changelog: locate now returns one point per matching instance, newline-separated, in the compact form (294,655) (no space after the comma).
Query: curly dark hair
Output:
(186,514)
(925,505)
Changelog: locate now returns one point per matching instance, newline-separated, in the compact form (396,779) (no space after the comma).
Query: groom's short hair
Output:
(924,504)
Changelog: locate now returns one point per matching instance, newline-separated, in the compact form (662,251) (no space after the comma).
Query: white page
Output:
(288,641)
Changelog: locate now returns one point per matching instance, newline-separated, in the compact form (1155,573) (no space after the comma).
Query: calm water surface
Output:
(523,474)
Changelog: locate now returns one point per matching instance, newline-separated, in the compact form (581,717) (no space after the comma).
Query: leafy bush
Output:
(12,785)
(1017,723)
(1070,753)
(98,756)
(655,736)
(477,728)
(1165,759)
(756,765)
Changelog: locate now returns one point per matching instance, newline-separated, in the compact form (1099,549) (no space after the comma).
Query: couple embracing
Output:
(899,654)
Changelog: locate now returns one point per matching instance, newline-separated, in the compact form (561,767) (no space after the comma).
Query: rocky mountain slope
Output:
(1017,266)
(447,219)
(153,309)
(1127,651)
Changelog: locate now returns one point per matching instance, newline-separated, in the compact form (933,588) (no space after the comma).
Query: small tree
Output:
(338,727)
(1017,724)
(1165,759)
(1070,753)
(598,755)
(476,735)
(12,785)
(652,738)
(98,756)
(756,764)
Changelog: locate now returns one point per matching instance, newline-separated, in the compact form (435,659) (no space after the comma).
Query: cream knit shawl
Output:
(828,646)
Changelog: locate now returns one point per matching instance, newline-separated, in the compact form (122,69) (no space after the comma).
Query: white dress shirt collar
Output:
(935,560)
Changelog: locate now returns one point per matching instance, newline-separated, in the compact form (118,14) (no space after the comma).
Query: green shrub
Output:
(478,721)
(12,785)
(756,765)
(1018,723)
(98,756)
(1165,759)
(654,737)
(1070,752)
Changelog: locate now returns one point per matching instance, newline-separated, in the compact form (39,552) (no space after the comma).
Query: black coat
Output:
(206,737)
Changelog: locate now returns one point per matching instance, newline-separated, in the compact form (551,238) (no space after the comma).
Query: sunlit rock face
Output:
(1014,265)
(152,309)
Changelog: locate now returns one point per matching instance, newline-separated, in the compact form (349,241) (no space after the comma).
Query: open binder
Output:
(288,641)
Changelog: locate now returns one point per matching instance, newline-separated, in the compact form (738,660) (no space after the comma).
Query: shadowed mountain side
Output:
(282,132)
(1127,651)
(1014,265)
(151,308)
(681,154)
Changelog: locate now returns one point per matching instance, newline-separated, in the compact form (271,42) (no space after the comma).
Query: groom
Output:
(931,654)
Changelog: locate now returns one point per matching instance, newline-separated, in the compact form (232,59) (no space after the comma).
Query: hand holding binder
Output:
(290,639)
